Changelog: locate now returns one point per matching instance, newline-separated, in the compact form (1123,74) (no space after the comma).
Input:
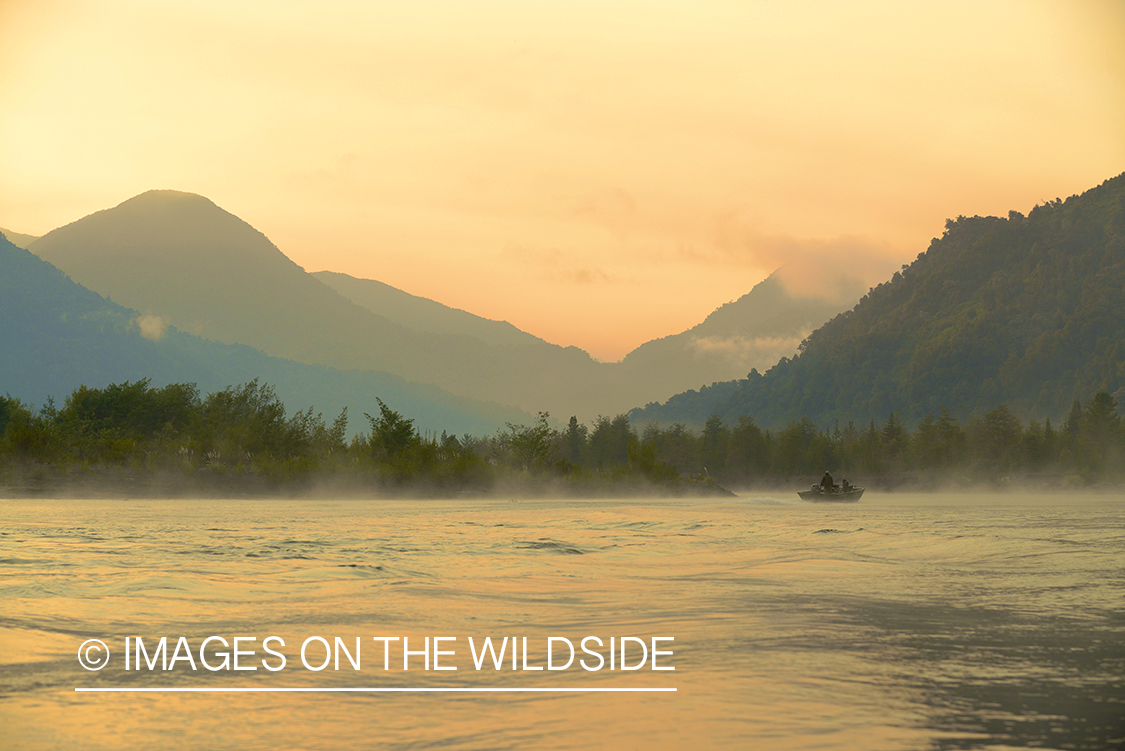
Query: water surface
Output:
(900,622)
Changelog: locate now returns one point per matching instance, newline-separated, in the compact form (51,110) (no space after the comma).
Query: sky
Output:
(600,173)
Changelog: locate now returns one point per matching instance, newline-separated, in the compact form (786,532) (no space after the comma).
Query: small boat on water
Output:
(835,495)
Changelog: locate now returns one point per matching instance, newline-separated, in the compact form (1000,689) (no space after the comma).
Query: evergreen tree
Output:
(575,442)
(391,433)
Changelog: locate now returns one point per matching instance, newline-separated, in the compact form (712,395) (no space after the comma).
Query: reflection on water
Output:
(901,622)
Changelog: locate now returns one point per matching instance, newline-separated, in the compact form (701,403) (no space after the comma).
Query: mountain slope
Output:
(754,331)
(423,315)
(57,335)
(1028,311)
(18,239)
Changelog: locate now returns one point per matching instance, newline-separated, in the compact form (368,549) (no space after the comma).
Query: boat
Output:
(836,495)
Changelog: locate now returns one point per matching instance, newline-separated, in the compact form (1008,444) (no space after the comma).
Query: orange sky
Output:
(597,173)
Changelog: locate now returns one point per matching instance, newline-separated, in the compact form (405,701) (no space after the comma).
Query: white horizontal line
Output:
(367,690)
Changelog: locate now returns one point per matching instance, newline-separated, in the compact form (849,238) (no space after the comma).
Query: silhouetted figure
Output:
(826,483)
(847,485)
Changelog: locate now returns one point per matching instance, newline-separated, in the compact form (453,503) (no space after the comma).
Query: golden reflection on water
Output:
(796,626)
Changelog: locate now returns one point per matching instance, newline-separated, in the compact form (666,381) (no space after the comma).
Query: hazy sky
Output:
(597,173)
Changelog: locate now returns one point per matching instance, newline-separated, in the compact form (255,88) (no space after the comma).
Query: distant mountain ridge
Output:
(181,259)
(57,335)
(754,331)
(1027,311)
(422,315)
(18,239)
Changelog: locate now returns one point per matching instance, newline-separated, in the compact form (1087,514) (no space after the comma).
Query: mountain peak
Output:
(164,206)
(178,223)
(177,255)
(167,198)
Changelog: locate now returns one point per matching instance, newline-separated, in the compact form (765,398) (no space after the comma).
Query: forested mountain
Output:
(1027,311)
(56,336)
(181,258)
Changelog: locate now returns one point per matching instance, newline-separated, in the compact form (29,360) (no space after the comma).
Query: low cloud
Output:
(740,344)
(835,270)
(748,352)
(152,327)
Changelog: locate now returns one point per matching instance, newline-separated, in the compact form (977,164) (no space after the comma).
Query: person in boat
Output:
(847,486)
(826,483)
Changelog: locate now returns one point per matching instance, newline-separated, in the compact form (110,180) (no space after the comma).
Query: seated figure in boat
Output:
(847,486)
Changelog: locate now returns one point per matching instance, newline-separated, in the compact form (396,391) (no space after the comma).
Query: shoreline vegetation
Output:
(133,440)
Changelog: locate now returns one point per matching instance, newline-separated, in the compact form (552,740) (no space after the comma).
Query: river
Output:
(969,621)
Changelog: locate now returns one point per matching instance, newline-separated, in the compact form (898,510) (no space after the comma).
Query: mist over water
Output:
(902,622)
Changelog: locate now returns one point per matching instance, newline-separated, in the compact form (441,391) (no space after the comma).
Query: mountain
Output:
(57,335)
(1027,311)
(181,259)
(18,239)
(754,331)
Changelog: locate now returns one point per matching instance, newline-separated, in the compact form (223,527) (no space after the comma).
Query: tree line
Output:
(245,432)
